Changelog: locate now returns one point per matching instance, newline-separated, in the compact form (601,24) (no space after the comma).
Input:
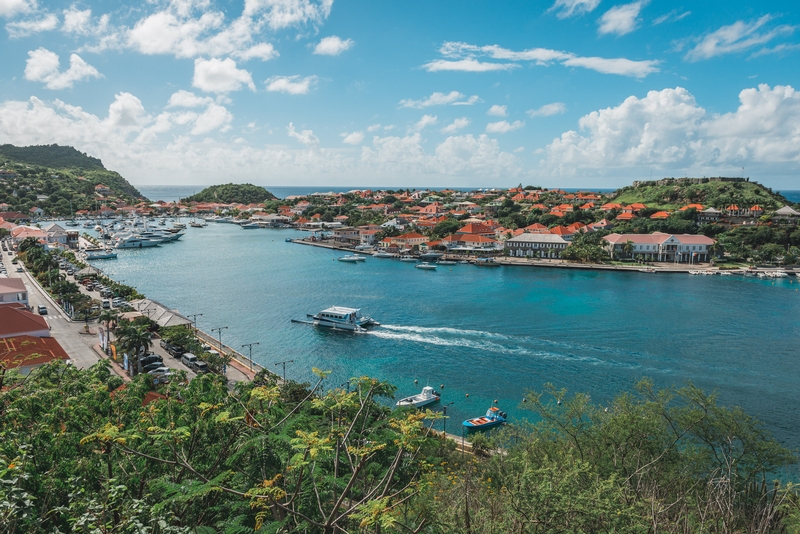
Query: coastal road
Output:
(77,345)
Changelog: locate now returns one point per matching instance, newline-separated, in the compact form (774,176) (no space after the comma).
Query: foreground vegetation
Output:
(80,454)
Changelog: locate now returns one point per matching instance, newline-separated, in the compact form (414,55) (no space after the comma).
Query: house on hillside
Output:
(785,215)
(102,190)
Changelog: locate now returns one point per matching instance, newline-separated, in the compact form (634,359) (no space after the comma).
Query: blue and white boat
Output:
(339,317)
(494,417)
(428,396)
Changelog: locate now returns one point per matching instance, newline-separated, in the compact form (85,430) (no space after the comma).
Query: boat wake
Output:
(490,342)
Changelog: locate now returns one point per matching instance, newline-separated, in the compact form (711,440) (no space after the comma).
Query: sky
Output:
(558,93)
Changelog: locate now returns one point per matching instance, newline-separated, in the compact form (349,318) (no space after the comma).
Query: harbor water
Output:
(490,333)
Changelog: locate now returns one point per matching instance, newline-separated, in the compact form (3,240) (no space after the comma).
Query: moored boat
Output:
(425,265)
(493,417)
(100,254)
(408,258)
(486,262)
(383,255)
(352,258)
(249,225)
(446,262)
(431,256)
(427,396)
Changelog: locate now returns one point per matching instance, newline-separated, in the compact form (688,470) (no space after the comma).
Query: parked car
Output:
(163,378)
(188,359)
(176,351)
(161,370)
(200,367)
(151,358)
(150,366)
(106,304)
(42,310)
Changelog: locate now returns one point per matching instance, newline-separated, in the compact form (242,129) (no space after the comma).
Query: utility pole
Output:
(219,331)
(250,346)
(284,367)
(194,317)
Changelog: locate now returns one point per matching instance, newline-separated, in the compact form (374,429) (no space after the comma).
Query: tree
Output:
(627,248)
(135,340)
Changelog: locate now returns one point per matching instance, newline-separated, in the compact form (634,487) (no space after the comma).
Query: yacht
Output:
(135,241)
(249,225)
(446,262)
(195,224)
(383,255)
(101,254)
(431,256)
(180,226)
(408,259)
(425,265)
(338,317)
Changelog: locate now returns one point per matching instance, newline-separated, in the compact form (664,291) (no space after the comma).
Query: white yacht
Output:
(249,225)
(408,259)
(338,317)
(383,255)
(427,266)
(352,258)
(135,241)
(101,254)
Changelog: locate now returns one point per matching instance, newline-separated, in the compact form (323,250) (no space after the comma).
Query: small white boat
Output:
(100,255)
(408,259)
(425,265)
(135,242)
(383,255)
(352,258)
(446,262)
(431,255)
(249,226)
(195,224)
(428,396)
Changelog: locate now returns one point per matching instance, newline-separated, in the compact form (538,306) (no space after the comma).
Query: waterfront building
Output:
(536,245)
(658,246)
(470,243)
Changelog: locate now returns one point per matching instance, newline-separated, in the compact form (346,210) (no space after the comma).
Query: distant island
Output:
(232,193)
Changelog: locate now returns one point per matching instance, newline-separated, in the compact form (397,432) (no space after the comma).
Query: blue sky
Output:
(570,93)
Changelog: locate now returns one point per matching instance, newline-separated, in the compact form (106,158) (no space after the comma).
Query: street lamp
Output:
(444,420)
(219,332)
(194,317)
(284,367)
(250,346)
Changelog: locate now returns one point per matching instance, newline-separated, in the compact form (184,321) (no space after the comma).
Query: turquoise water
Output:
(492,333)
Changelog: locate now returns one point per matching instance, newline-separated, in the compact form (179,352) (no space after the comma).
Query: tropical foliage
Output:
(228,193)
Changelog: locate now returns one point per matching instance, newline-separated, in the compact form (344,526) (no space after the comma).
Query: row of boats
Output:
(758,274)
(426,261)
(494,417)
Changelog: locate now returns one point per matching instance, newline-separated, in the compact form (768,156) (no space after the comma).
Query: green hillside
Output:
(53,156)
(228,193)
(51,177)
(674,193)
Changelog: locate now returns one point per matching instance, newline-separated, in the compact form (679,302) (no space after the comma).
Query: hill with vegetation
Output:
(57,179)
(54,156)
(232,193)
(674,193)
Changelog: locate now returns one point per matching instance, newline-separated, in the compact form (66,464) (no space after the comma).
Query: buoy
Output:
(415,381)
(559,402)
(524,399)
(442,386)
(605,409)
(495,401)
(467,394)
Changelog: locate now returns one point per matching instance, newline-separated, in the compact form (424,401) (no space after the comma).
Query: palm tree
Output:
(135,340)
(627,248)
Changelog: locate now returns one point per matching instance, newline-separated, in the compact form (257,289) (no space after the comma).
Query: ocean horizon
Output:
(173,193)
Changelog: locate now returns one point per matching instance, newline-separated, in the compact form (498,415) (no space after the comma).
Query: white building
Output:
(536,245)
(658,246)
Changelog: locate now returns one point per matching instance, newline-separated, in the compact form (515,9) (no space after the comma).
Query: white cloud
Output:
(424,122)
(540,56)
(353,138)
(220,76)
(306,137)
(668,130)
(456,125)
(373,127)
(28,27)
(187,99)
(621,66)
(503,126)
(466,65)
(293,85)
(556,108)
(333,46)
(43,66)
(12,7)
(281,14)
(215,116)
(572,8)
(262,51)
(77,21)
(736,38)
(673,16)
(498,110)
(620,20)
(440,99)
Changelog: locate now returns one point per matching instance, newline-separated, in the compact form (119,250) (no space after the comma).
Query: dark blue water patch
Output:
(489,333)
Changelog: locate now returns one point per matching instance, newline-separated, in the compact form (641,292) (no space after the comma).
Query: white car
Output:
(160,371)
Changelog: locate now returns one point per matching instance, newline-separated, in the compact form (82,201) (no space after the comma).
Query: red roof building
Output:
(25,353)
(16,320)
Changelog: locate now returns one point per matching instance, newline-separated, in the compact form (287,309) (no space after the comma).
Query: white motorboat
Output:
(431,256)
(341,318)
(428,396)
(383,255)
(195,224)
(352,258)
(179,225)
(135,241)
(249,225)
(427,266)
(408,259)
(101,254)
(446,262)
